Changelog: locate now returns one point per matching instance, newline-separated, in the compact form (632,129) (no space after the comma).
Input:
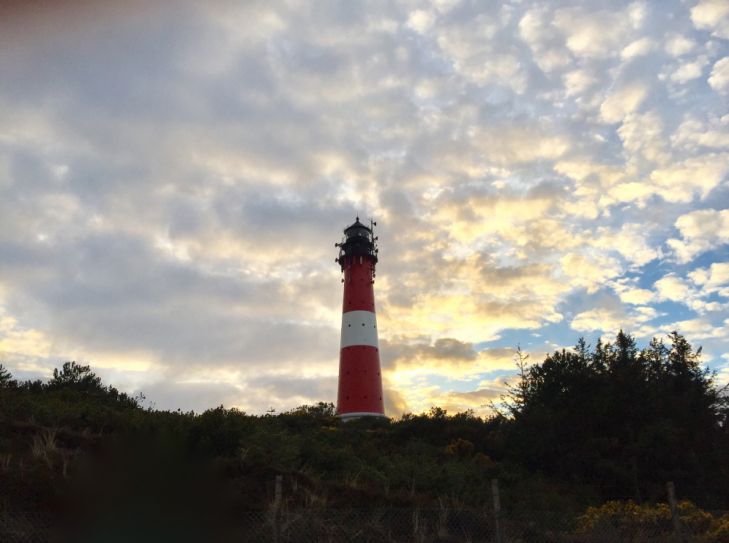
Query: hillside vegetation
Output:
(580,428)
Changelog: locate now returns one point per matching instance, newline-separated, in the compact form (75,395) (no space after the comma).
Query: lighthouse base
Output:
(351,416)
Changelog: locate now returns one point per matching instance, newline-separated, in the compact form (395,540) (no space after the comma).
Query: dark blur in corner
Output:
(27,25)
(145,489)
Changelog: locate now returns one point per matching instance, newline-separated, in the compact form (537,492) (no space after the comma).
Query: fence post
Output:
(497,510)
(678,533)
(276,507)
(416,524)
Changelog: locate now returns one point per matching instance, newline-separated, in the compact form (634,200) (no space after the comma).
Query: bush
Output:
(628,521)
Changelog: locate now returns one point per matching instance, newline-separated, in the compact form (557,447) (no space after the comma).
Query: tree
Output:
(76,379)
(75,376)
(515,397)
(6,379)
(623,419)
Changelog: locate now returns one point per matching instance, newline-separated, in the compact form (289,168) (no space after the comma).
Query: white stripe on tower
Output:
(359,328)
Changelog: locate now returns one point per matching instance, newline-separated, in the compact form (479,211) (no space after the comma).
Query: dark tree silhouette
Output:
(76,376)
(584,425)
(622,419)
(6,379)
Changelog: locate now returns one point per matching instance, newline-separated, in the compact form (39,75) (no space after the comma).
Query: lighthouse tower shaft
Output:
(360,380)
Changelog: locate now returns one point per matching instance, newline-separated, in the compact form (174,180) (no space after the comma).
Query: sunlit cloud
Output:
(700,231)
(719,78)
(712,15)
(172,183)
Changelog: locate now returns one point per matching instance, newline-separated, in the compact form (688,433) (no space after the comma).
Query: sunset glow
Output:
(173,181)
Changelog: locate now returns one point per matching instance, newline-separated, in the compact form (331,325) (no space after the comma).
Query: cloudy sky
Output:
(173,179)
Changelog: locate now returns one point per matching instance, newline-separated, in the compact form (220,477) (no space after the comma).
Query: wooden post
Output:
(497,510)
(420,526)
(678,533)
(276,507)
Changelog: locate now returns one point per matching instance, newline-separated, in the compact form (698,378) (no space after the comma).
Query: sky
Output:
(174,175)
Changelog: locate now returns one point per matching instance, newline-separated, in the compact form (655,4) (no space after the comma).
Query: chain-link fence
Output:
(382,525)
(474,525)
(26,527)
(420,525)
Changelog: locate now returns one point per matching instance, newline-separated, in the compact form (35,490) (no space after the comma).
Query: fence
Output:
(679,523)
(25,527)
(394,526)
(389,525)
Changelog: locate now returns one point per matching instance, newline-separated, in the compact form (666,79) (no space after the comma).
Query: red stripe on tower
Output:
(360,381)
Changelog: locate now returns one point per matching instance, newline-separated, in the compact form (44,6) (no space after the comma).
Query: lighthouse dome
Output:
(358,229)
(359,241)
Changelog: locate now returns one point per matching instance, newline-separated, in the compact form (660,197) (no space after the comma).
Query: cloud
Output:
(700,230)
(719,78)
(610,319)
(630,294)
(680,182)
(637,48)
(696,329)
(672,288)
(695,290)
(589,273)
(623,101)
(171,185)
(694,134)
(712,15)
(470,50)
(479,401)
(197,396)
(578,81)
(510,145)
(544,39)
(723,374)
(631,241)
(421,21)
(688,71)
(643,136)
(678,45)
(422,353)
(712,278)
(394,402)
(16,340)
(444,356)
(596,34)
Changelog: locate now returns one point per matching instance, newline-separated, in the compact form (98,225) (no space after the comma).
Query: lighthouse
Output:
(360,379)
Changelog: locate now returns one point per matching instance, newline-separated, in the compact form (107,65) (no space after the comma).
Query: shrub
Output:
(628,521)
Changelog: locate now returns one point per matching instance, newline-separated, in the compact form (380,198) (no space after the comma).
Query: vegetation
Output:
(583,427)
(628,521)
(624,420)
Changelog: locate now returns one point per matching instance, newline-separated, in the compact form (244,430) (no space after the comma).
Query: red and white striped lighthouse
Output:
(360,382)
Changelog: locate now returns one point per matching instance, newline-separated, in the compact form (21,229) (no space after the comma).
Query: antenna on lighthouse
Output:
(360,380)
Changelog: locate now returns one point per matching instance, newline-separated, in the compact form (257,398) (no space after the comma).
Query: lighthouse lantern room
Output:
(360,379)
